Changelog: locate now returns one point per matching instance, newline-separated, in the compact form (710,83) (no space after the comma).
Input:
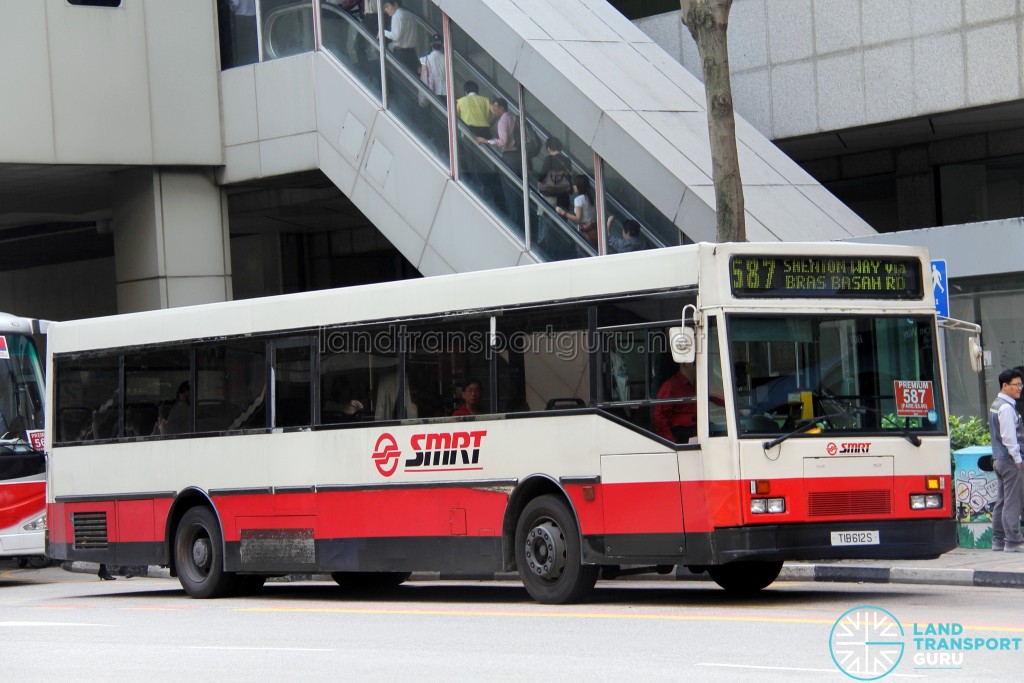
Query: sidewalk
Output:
(960,567)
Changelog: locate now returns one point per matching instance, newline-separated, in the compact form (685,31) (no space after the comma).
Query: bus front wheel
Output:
(199,555)
(745,577)
(548,553)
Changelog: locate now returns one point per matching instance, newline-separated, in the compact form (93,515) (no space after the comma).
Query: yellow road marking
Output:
(908,626)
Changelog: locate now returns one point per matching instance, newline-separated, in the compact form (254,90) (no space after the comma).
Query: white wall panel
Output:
(181,57)
(284,96)
(26,112)
(100,83)
(468,245)
(291,154)
(238,92)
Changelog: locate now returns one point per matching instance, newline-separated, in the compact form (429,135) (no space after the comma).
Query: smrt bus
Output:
(531,419)
(22,463)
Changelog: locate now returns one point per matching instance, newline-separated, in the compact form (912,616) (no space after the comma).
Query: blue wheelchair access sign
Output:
(941,287)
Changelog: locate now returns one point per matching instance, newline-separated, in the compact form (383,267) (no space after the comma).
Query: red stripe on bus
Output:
(18,501)
(633,508)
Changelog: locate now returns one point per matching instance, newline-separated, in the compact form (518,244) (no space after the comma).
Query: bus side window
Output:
(87,397)
(359,376)
(439,360)
(543,360)
(232,387)
(293,404)
(152,380)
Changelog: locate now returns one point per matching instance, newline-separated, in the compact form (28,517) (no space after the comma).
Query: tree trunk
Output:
(708,21)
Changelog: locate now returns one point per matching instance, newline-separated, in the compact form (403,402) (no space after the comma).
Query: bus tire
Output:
(746,577)
(370,581)
(548,553)
(199,555)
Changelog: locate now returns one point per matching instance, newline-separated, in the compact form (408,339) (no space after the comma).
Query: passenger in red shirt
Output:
(470,399)
(677,421)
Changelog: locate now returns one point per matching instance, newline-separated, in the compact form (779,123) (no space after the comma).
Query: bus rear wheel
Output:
(370,581)
(199,555)
(745,577)
(548,553)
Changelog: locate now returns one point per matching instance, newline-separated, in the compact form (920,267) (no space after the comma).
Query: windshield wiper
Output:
(807,426)
(914,439)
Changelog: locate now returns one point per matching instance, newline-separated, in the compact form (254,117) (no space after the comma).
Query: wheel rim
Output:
(200,553)
(545,550)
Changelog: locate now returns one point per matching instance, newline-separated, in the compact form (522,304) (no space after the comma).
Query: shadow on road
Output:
(682,594)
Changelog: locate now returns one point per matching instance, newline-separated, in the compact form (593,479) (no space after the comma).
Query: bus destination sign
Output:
(841,277)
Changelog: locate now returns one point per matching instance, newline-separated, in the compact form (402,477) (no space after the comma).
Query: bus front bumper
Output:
(892,540)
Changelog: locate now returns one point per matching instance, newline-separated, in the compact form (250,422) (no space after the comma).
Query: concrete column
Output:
(171,242)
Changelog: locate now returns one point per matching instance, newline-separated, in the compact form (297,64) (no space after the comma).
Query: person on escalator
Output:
(584,213)
(474,110)
(370,18)
(629,240)
(506,143)
(402,35)
(433,72)
(555,175)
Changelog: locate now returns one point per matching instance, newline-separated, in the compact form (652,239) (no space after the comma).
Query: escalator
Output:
(449,204)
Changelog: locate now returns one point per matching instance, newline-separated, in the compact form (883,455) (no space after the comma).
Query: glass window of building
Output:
(286,27)
(350,35)
(631,221)
(559,155)
(487,105)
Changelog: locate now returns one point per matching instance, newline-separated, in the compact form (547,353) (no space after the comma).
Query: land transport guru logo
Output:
(868,643)
(431,452)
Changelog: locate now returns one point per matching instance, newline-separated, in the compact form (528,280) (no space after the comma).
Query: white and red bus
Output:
(327,431)
(22,463)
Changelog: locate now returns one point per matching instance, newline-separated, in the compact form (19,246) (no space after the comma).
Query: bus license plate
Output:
(854,538)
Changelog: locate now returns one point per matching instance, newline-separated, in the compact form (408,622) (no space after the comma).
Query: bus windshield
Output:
(852,374)
(21,389)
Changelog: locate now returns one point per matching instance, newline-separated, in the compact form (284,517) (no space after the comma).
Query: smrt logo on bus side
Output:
(848,447)
(432,451)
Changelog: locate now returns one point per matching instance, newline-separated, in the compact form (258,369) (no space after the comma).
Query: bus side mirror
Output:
(682,341)
(974,353)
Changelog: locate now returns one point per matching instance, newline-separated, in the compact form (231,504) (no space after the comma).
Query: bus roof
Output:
(652,270)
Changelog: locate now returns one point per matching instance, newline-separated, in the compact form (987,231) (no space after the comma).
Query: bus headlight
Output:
(760,506)
(37,524)
(922,501)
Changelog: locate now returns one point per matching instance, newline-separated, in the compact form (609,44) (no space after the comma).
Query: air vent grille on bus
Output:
(839,503)
(90,529)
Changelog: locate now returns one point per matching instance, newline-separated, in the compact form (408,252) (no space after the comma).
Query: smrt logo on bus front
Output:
(432,452)
(848,447)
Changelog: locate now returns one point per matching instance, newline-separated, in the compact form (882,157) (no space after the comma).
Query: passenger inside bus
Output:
(179,418)
(471,394)
(677,421)
(340,406)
